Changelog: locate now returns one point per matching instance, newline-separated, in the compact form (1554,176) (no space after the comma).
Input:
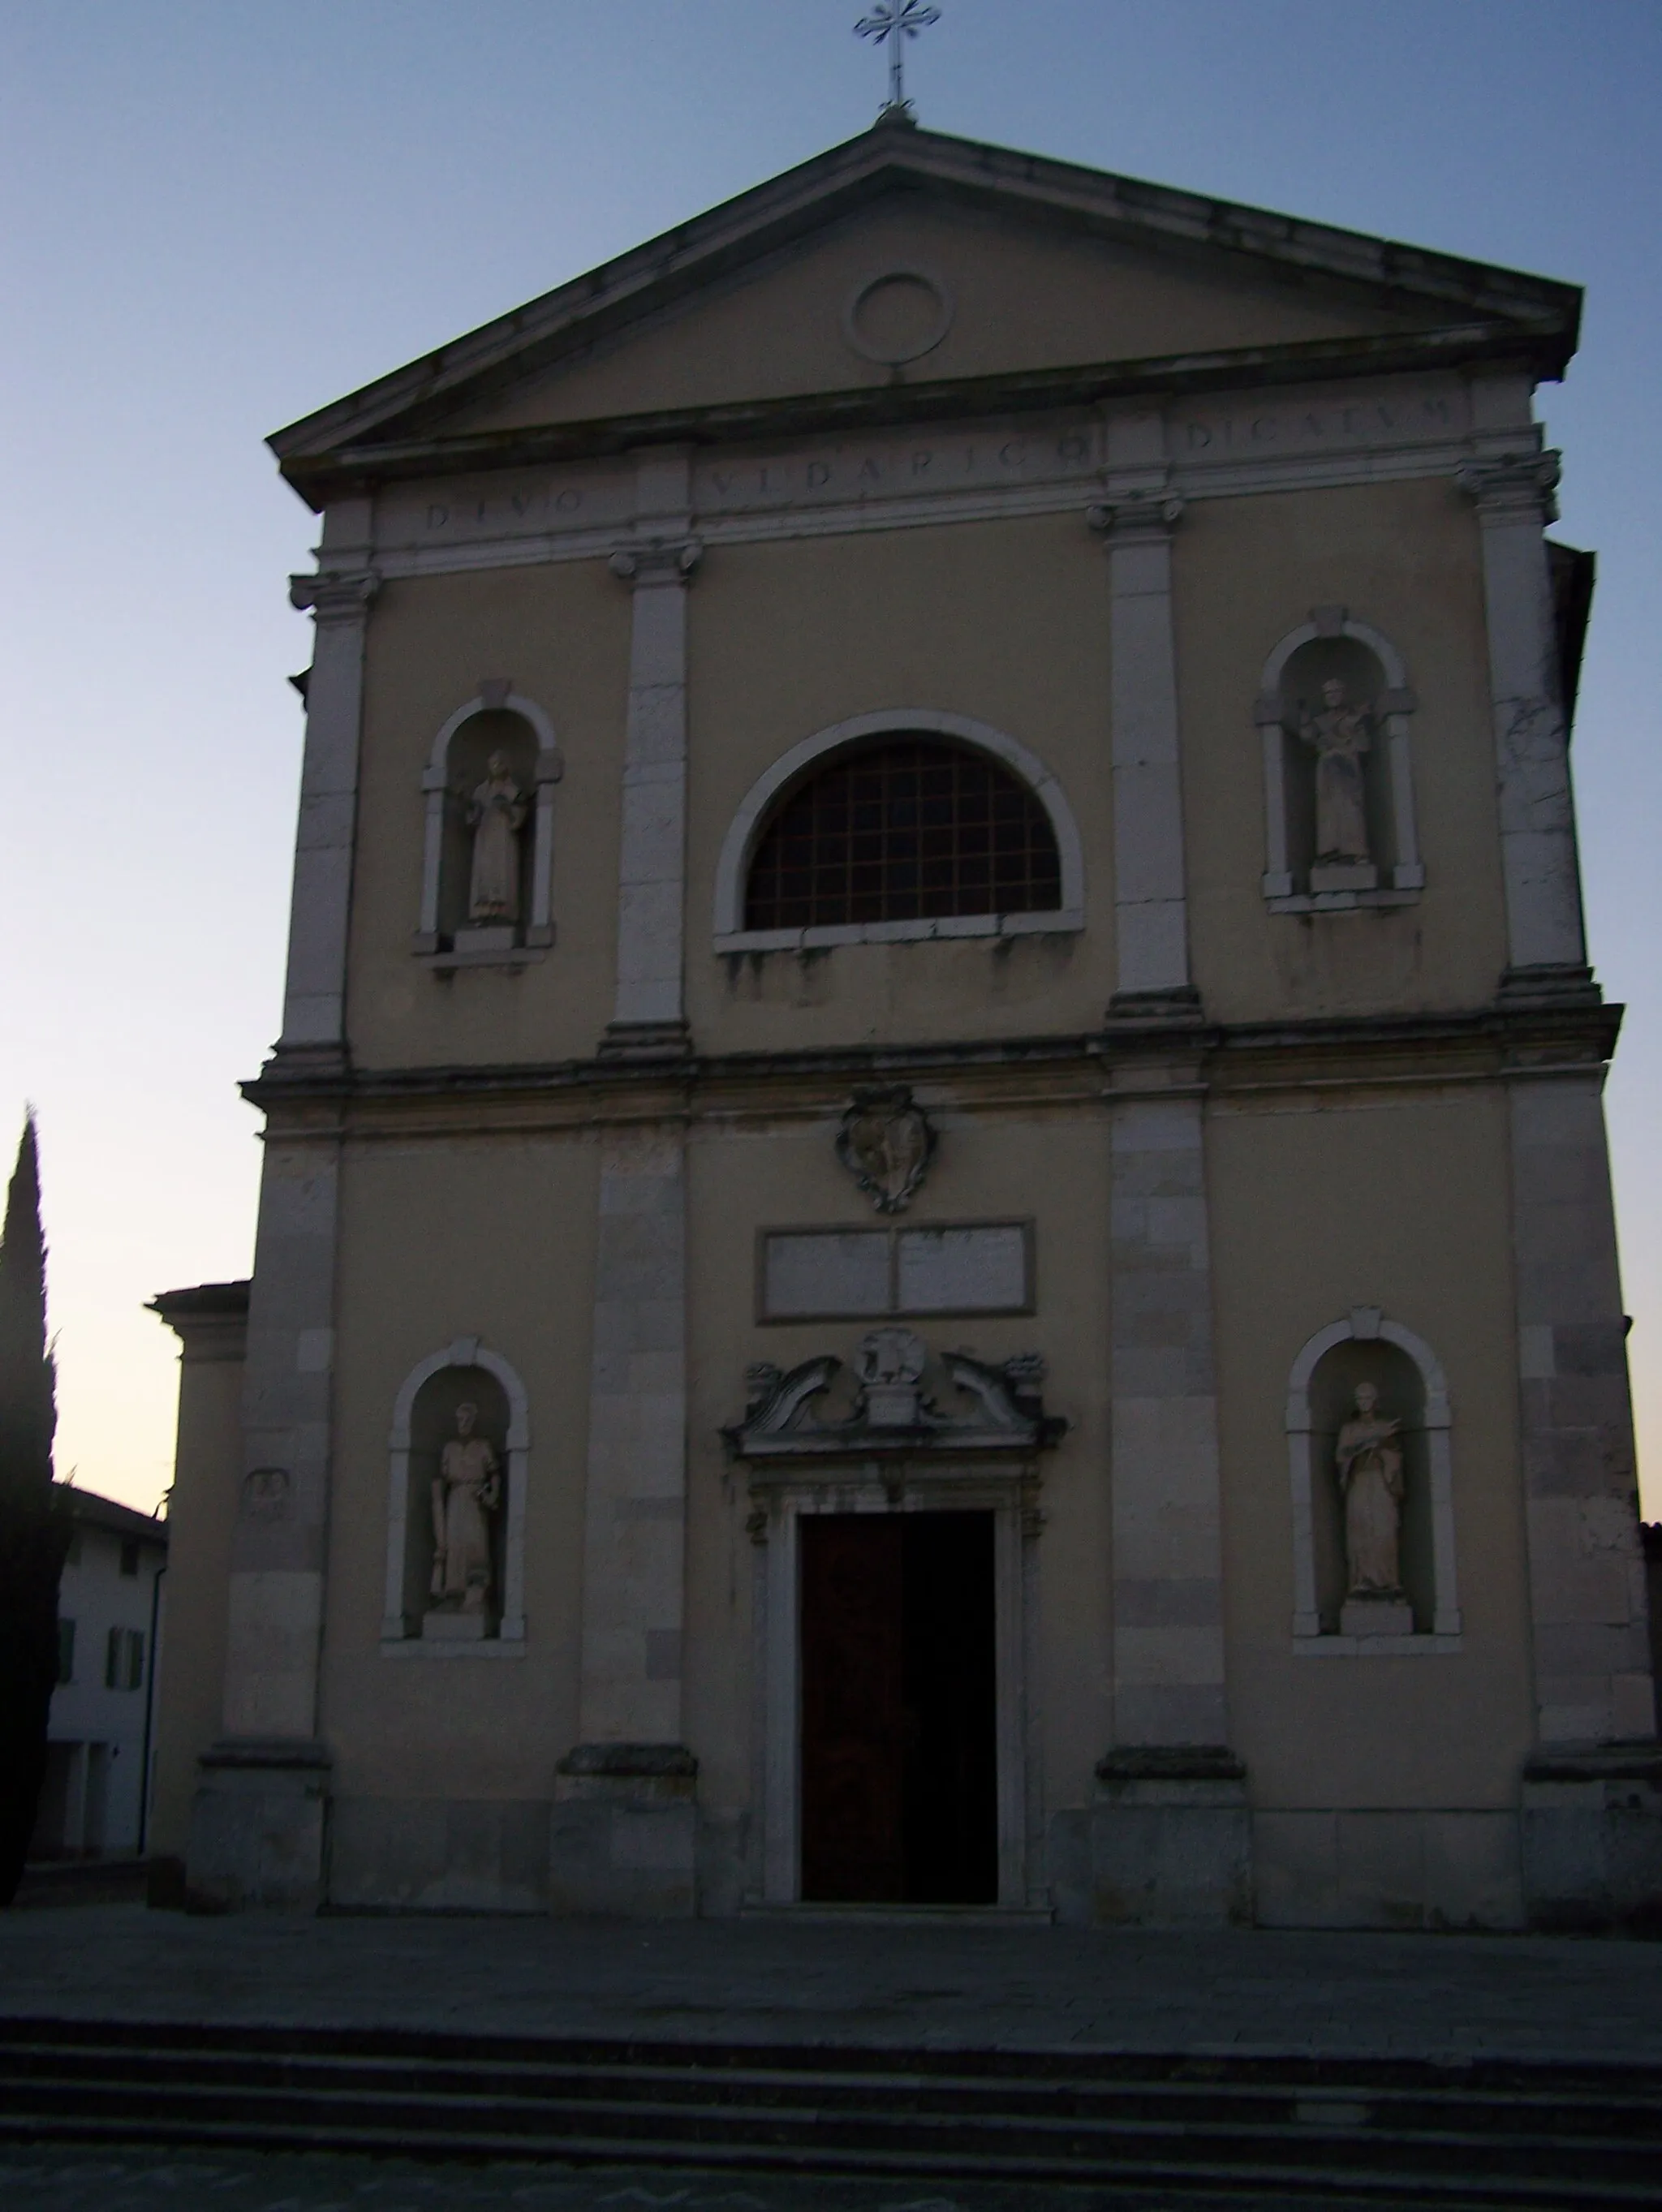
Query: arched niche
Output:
(498,720)
(1367,1347)
(1335,646)
(749,824)
(423,1421)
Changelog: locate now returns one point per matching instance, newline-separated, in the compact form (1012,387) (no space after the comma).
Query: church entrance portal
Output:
(900,1768)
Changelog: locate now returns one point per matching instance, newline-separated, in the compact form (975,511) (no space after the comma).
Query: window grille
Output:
(904,830)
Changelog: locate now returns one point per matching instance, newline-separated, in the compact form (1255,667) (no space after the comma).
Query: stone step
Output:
(1388,2131)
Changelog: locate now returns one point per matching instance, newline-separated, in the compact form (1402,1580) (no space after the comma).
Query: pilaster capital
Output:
(1140,519)
(659,562)
(1516,484)
(335,597)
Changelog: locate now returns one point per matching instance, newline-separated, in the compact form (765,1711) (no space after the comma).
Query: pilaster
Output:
(257,1827)
(1591,1801)
(650,1014)
(623,1830)
(1546,949)
(1151,917)
(340,596)
(1170,1836)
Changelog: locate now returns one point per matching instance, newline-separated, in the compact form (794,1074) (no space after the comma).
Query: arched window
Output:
(903,828)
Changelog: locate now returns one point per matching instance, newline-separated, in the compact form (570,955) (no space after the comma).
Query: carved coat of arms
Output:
(887,1142)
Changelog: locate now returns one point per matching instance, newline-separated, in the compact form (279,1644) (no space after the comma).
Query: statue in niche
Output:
(466,1490)
(496,814)
(1339,734)
(1369,1457)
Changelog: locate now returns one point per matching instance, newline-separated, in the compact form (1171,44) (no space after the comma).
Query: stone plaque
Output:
(820,1274)
(831,1275)
(963,1270)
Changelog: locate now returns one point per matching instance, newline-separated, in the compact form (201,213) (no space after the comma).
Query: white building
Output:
(93,1803)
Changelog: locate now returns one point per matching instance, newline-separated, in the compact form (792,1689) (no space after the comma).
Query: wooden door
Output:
(854,1740)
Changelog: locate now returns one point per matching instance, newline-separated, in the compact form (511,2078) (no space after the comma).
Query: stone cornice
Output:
(1486,1045)
(357,467)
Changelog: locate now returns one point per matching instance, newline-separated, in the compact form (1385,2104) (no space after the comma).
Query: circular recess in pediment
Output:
(898,315)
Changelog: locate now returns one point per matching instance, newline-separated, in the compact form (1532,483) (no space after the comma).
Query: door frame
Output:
(782,1503)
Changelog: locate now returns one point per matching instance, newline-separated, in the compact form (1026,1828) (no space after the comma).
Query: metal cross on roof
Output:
(896,21)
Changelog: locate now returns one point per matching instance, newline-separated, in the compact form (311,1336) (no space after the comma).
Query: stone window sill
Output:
(521,956)
(1058,922)
(1341,901)
(1374,1647)
(417,1647)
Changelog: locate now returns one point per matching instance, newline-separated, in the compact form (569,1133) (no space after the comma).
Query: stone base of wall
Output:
(623,1834)
(257,1828)
(1171,1842)
(1387,1870)
(439,1855)
(1592,1823)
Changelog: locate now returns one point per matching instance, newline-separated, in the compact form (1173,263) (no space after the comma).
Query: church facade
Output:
(935,1227)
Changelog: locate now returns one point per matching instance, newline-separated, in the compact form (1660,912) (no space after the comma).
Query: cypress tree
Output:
(34,1530)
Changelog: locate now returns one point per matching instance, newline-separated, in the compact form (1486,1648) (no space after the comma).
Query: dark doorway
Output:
(899,1767)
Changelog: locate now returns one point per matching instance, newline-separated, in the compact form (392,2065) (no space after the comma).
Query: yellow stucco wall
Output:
(1402,1204)
(1007,624)
(562,634)
(492,1238)
(1405,559)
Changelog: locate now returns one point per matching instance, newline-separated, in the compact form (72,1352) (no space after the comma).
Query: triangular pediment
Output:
(906,261)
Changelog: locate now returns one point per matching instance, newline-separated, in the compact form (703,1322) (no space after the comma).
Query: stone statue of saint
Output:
(1370,1465)
(496,814)
(1338,734)
(466,1489)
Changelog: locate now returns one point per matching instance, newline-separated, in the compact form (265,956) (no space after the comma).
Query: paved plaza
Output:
(859,1981)
(162,2181)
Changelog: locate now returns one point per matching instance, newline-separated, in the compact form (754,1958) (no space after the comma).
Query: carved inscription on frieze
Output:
(1253,428)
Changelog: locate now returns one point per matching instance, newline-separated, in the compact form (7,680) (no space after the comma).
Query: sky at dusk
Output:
(219,215)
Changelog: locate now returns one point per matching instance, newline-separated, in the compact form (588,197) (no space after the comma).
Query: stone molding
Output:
(895,1419)
(334,596)
(1148,518)
(631,1761)
(657,563)
(1368,1324)
(1522,485)
(744,830)
(398,1636)
(312,1105)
